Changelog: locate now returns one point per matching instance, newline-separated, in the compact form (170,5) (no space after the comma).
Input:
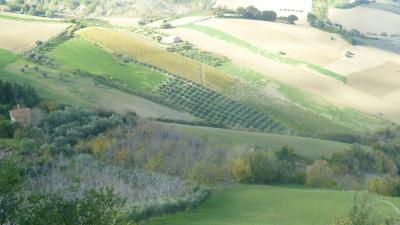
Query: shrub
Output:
(387,185)
(268,16)
(362,213)
(292,19)
(319,174)
(6,129)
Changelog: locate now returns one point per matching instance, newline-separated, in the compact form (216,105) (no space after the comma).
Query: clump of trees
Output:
(253,13)
(350,36)
(59,172)
(17,206)
(266,167)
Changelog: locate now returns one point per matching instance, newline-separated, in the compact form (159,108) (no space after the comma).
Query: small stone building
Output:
(22,116)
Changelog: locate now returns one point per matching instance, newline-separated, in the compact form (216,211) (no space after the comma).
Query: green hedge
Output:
(138,213)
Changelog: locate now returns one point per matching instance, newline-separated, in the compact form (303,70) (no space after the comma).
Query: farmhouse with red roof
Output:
(21,115)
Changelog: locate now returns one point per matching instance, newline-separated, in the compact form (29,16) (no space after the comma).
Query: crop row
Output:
(214,107)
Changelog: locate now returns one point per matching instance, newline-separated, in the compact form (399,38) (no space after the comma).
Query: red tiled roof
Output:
(18,113)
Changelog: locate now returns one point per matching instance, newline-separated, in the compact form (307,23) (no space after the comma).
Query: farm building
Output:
(171,40)
(21,116)
(300,8)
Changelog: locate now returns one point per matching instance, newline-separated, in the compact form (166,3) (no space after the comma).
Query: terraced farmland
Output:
(134,46)
(214,107)
(299,77)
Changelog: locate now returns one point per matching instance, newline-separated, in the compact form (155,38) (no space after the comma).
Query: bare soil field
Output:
(20,36)
(378,81)
(366,19)
(393,97)
(296,76)
(305,43)
(301,42)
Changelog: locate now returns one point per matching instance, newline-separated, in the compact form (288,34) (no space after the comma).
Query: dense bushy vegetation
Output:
(60,173)
(22,208)
(266,167)
(148,8)
(252,12)
(214,107)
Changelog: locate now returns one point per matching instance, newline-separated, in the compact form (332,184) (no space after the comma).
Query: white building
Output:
(171,40)
(300,8)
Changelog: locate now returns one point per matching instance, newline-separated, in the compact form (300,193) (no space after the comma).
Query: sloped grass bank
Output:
(83,55)
(270,205)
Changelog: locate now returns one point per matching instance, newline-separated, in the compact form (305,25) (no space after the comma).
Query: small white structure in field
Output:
(171,40)
(21,116)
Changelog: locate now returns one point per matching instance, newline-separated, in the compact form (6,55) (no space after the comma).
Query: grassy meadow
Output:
(74,90)
(83,55)
(6,57)
(307,147)
(270,205)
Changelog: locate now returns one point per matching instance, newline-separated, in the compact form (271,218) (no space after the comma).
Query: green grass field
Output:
(270,205)
(66,88)
(146,51)
(270,55)
(80,54)
(307,147)
(6,57)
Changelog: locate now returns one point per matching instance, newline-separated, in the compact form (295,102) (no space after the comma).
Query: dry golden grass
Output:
(20,36)
(134,45)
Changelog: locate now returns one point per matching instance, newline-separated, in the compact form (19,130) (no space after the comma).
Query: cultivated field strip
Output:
(130,44)
(215,108)
(304,79)
(20,36)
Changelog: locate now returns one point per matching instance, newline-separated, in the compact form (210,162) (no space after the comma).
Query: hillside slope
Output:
(365,19)
(221,35)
